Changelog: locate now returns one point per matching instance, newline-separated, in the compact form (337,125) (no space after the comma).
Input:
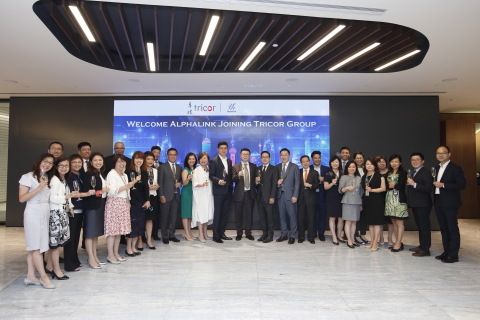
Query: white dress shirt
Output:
(440,174)
(116,181)
(224,161)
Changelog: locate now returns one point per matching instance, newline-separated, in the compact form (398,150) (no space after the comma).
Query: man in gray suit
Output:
(170,175)
(287,195)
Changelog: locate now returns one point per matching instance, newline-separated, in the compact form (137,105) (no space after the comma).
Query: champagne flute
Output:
(132,176)
(44,176)
(139,173)
(93,182)
(409,174)
(76,187)
(434,173)
(367,193)
(354,184)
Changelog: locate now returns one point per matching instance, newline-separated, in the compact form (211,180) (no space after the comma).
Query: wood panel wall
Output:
(458,132)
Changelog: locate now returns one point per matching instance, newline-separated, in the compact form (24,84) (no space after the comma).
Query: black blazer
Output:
(400,186)
(215,171)
(91,202)
(307,196)
(454,181)
(109,163)
(141,193)
(238,191)
(267,188)
(421,196)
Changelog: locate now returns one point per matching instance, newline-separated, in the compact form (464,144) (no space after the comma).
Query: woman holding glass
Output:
(117,208)
(153,186)
(350,187)
(383,170)
(373,185)
(361,229)
(333,200)
(202,207)
(187,194)
(396,199)
(35,190)
(94,206)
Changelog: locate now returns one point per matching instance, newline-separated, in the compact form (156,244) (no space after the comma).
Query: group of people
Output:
(116,196)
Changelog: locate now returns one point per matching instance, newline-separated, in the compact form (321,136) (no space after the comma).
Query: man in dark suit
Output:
(320,205)
(287,195)
(220,173)
(419,201)
(448,183)
(84,150)
(344,156)
(169,191)
(243,174)
(156,164)
(266,193)
(306,200)
(156,150)
(119,148)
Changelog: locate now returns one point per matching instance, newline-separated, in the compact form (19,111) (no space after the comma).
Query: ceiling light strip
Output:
(356,55)
(208,36)
(321,42)
(397,60)
(151,56)
(86,30)
(252,55)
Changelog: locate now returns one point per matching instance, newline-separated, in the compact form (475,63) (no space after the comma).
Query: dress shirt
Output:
(246,175)
(225,163)
(85,165)
(344,163)
(303,174)
(413,175)
(440,174)
(319,170)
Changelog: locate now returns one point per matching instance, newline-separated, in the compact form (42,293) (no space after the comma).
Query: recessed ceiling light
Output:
(141,86)
(151,56)
(10,81)
(449,79)
(252,55)
(397,60)
(78,16)
(292,79)
(356,55)
(133,80)
(275,45)
(321,42)
(208,36)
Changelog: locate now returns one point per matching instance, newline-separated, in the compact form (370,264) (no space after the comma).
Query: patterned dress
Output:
(393,207)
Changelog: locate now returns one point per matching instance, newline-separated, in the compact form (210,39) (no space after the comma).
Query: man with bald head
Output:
(119,148)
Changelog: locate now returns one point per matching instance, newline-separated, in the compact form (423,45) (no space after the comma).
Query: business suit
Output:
(306,204)
(419,198)
(222,195)
(288,189)
(447,203)
(156,221)
(266,190)
(243,201)
(320,203)
(109,165)
(168,190)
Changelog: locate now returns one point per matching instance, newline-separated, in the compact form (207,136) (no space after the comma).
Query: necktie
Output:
(246,177)
(173,170)
(263,171)
(305,175)
(283,171)
(344,163)
(414,173)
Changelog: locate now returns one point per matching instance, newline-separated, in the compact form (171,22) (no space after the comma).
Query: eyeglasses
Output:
(119,148)
(48,162)
(56,149)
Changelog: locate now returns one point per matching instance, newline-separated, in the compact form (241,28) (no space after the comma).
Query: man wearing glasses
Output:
(56,149)
(119,148)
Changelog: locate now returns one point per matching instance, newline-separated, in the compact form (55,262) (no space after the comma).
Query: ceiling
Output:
(34,63)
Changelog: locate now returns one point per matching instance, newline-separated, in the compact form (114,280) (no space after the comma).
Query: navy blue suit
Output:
(320,203)
(222,195)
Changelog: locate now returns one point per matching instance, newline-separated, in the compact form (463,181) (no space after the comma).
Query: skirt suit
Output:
(93,206)
(352,199)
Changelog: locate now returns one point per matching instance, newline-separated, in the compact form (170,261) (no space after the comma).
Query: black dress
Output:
(374,203)
(333,199)
(139,196)
(386,220)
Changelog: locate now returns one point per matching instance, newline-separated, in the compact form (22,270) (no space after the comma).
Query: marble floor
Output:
(251,280)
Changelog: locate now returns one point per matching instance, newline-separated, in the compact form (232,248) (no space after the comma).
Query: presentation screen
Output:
(197,126)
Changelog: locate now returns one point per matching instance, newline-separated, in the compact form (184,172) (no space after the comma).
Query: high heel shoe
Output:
(113,262)
(151,248)
(342,240)
(371,249)
(130,254)
(54,276)
(201,240)
(140,249)
(48,271)
(335,243)
(121,259)
(359,241)
(351,246)
(28,282)
(399,249)
(51,286)
(364,240)
(185,237)
(93,267)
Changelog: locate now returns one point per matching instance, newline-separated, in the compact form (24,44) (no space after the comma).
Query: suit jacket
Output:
(454,181)
(267,188)
(167,181)
(109,165)
(91,202)
(307,196)
(141,193)
(421,196)
(238,191)
(291,181)
(215,173)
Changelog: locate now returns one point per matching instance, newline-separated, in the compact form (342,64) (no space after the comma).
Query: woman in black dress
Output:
(383,170)
(151,215)
(373,185)
(333,200)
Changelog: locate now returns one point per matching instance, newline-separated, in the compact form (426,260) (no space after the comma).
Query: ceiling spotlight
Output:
(252,55)
(209,35)
(275,45)
(356,55)
(78,16)
(398,60)
(151,56)
(321,42)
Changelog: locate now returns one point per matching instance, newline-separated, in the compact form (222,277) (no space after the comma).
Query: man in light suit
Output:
(266,194)
(243,174)
(287,195)
(309,182)
(448,183)
(419,200)
(220,172)
(320,205)
(170,177)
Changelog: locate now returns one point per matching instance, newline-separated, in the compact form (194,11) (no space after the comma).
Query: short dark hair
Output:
(418,154)
(172,149)
(57,162)
(314,153)
(185,163)
(203,154)
(156,148)
(446,147)
(266,153)
(373,162)
(83,144)
(358,153)
(285,149)
(380,157)
(55,142)
(149,154)
(117,157)
(245,149)
(75,156)
(345,172)
(333,158)
(344,148)
(222,143)
(304,156)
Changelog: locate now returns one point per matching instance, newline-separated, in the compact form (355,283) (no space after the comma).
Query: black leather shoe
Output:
(238,238)
(174,239)
(140,249)
(282,238)
(301,240)
(218,240)
(165,241)
(291,241)
(250,237)
(351,246)
(151,248)
(261,238)
(321,237)
(360,241)
(224,237)
(313,241)
(421,253)
(137,253)
(54,276)
(130,254)
(335,243)
(48,271)
(267,240)
(444,255)
(156,238)
(450,260)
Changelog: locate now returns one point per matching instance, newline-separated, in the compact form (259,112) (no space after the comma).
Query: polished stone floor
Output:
(251,280)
